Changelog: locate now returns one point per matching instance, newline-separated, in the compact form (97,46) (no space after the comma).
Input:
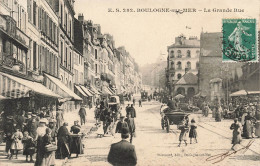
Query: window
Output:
(29,9)
(95,53)
(188,53)
(96,68)
(66,21)
(188,65)
(179,53)
(172,54)
(34,56)
(179,65)
(179,76)
(61,52)
(172,65)
(61,14)
(66,57)
(34,13)
(172,75)
(70,64)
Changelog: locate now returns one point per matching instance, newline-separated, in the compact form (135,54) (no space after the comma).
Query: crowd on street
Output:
(42,137)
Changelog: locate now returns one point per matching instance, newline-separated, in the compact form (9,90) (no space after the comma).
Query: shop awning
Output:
(62,87)
(15,87)
(86,91)
(81,91)
(239,93)
(111,90)
(95,90)
(253,92)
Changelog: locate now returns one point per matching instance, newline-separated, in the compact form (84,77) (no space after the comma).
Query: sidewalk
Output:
(69,117)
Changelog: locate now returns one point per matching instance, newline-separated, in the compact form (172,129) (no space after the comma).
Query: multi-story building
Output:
(183,57)
(20,57)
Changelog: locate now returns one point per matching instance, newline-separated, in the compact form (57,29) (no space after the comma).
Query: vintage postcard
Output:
(129,82)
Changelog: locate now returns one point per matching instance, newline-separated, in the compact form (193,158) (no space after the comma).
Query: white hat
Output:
(44,120)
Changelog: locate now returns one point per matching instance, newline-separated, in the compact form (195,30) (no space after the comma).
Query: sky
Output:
(146,35)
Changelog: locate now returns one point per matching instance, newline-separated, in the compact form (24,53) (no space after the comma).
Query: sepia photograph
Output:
(129,82)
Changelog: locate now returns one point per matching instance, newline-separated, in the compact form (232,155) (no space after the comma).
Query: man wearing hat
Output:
(32,126)
(121,124)
(82,114)
(123,152)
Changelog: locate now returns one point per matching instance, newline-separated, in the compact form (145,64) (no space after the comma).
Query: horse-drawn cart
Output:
(171,117)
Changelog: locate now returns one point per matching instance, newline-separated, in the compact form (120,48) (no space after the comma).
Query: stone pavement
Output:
(69,117)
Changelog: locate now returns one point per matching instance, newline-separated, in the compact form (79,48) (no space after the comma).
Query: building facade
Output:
(183,57)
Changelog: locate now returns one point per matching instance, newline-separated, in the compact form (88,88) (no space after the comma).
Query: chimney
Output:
(81,17)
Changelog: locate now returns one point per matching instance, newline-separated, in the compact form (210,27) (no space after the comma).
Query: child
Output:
(29,146)
(17,143)
(193,132)
(184,129)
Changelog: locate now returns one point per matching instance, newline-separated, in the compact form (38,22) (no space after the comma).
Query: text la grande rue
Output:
(223,10)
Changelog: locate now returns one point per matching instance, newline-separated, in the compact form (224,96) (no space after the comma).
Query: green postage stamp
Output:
(239,40)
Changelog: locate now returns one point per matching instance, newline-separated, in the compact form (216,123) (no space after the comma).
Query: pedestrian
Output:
(134,101)
(121,124)
(123,152)
(54,130)
(9,129)
(63,150)
(59,118)
(32,126)
(131,126)
(17,143)
(29,146)
(236,127)
(184,127)
(76,145)
(193,131)
(132,111)
(248,126)
(218,115)
(20,119)
(127,108)
(140,103)
(82,114)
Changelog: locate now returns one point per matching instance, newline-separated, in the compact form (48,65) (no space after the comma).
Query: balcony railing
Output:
(7,60)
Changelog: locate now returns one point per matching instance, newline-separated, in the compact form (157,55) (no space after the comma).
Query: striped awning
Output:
(60,88)
(81,91)
(86,91)
(15,87)
(95,90)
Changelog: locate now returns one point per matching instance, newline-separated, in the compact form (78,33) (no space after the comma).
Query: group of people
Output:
(186,128)
(42,134)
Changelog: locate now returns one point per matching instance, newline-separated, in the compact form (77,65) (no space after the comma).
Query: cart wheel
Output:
(162,123)
(167,125)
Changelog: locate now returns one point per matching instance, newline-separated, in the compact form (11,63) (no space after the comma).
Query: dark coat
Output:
(122,153)
(82,112)
(132,112)
(172,104)
(120,125)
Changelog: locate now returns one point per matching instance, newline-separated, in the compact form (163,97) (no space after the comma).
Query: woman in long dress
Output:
(236,127)
(41,131)
(76,145)
(63,136)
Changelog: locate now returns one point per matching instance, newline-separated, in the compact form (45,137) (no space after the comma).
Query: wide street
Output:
(155,146)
